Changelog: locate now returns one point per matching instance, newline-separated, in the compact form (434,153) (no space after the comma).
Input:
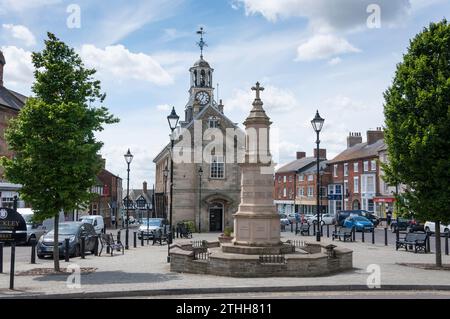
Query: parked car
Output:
(405,224)
(359,223)
(148,229)
(292,217)
(343,214)
(284,221)
(72,230)
(308,218)
(431,228)
(34,229)
(96,221)
(325,219)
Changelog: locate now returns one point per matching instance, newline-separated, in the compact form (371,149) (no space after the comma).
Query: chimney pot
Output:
(301,155)
(353,139)
(322,153)
(144,187)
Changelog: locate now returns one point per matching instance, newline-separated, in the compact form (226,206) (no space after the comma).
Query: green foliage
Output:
(190,225)
(56,154)
(227,231)
(417,111)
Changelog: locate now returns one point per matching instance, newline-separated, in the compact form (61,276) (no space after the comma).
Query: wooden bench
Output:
(342,233)
(303,230)
(111,245)
(160,236)
(416,240)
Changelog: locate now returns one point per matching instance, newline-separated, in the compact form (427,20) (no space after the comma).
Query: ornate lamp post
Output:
(165,176)
(317,124)
(200,174)
(128,158)
(173,122)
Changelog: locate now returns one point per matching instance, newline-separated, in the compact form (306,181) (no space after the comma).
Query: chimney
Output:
(221,106)
(322,153)
(2,64)
(301,155)
(353,139)
(374,135)
(144,187)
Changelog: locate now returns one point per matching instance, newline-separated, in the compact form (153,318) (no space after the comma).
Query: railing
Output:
(272,259)
(199,244)
(201,255)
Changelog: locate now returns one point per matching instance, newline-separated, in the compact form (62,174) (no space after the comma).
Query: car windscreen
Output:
(88,220)
(28,219)
(66,229)
(151,222)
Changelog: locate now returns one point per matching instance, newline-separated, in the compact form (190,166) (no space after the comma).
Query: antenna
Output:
(202,43)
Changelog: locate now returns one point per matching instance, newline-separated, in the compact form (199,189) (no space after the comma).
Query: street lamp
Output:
(165,175)
(317,124)
(200,173)
(128,158)
(321,172)
(173,122)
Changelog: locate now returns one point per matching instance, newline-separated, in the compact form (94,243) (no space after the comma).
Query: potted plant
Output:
(226,236)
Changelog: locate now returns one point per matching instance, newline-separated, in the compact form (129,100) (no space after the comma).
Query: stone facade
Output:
(210,200)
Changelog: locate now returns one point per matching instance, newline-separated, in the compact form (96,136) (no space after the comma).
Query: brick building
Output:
(295,184)
(355,173)
(10,104)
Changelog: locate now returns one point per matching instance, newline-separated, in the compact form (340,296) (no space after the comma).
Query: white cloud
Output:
(275,100)
(335,61)
(325,14)
(22,5)
(342,103)
(21,33)
(19,68)
(323,46)
(164,107)
(119,63)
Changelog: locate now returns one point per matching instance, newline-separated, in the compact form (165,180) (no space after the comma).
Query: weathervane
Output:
(202,43)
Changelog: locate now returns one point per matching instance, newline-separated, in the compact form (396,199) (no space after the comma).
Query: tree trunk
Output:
(437,234)
(56,243)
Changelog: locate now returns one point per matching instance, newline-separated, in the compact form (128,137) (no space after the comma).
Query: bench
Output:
(184,231)
(416,240)
(160,236)
(342,233)
(111,245)
(303,230)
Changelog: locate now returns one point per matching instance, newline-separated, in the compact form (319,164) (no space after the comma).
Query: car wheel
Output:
(77,251)
(41,256)
(323,223)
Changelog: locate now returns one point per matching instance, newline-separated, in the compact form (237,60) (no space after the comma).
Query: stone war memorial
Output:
(257,249)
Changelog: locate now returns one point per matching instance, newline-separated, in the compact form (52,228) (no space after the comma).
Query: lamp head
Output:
(317,122)
(128,157)
(173,119)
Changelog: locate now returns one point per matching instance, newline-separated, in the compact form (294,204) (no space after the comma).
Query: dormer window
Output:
(213,122)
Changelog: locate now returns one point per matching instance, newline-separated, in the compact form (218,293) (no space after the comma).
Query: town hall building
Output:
(205,191)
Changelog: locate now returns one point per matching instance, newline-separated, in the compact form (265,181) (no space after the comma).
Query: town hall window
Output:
(217,167)
(213,122)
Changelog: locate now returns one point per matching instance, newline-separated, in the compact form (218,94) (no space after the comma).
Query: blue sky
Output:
(317,54)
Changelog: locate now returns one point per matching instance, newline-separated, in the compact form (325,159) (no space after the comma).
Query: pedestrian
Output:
(389,217)
(113,220)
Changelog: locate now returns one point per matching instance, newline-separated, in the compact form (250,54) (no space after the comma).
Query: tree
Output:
(56,153)
(417,111)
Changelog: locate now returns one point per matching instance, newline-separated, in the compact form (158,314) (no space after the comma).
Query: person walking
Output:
(113,221)
(389,217)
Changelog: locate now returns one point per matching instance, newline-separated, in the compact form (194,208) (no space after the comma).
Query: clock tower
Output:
(202,88)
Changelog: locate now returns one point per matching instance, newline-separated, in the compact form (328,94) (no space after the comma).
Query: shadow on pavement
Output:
(114,277)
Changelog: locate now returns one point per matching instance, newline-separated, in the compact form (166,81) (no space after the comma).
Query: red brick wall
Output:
(280,185)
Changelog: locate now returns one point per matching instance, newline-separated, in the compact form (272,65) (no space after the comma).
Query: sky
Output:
(335,56)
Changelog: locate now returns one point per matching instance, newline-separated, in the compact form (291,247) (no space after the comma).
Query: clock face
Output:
(202,97)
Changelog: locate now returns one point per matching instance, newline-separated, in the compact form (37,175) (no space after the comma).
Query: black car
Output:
(74,231)
(405,224)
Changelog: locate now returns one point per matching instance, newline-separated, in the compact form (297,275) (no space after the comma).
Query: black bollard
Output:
(33,250)
(428,248)
(13,261)
(328,231)
(397,234)
(127,238)
(148,237)
(134,240)
(296,227)
(142,238)
(96,246)
(314,229)
(178,232)
(119,240)
(373,236)
(362,234)
(83,247)
(385,236)
(321,230)
(1,257)
(354,233)
(446,243)
(67,250)
(335,228)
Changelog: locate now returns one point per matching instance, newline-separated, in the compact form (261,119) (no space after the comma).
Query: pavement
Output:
(144,271)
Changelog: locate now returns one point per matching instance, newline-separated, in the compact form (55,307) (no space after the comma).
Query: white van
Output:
(34,229)
(431,227)
(96,221)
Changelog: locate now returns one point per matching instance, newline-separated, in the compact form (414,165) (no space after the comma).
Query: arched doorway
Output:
(216,217)
(356,205)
